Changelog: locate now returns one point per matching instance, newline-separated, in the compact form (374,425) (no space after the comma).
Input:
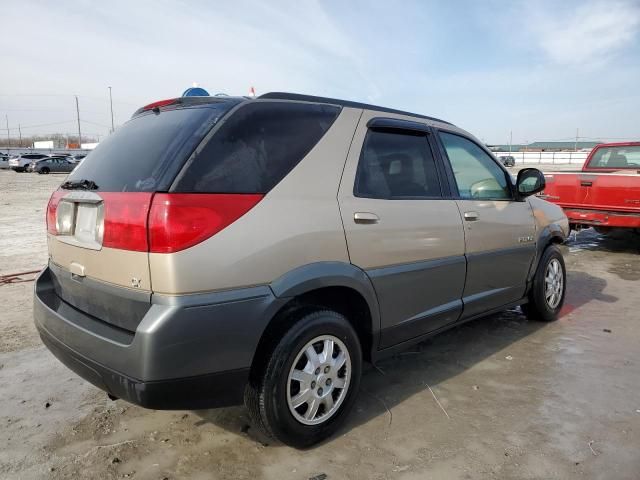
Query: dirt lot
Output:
(517,399)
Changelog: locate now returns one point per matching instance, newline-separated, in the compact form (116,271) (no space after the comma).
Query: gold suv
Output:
(214,250)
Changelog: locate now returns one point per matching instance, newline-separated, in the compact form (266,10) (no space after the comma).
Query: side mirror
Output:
(530,181)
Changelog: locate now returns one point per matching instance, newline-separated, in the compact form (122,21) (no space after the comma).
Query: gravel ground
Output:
(516,399)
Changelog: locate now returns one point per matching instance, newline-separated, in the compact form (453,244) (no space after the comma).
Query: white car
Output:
(4,161)
(20,163)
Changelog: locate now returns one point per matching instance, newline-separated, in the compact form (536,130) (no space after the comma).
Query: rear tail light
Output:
(125,220)
(180,220)
(159,223)
(52,207)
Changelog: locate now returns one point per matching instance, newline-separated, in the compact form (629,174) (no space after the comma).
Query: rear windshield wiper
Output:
(79,185)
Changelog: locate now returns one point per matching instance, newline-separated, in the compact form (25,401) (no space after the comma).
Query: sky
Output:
(539,69)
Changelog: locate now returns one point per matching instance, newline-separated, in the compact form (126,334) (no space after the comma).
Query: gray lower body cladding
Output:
(419,297)
(190,351)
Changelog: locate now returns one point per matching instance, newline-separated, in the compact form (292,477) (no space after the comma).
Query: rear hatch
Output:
(97,222)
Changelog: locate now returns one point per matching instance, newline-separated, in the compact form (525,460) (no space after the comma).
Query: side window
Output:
(477,175)
(396,165)
(256,147)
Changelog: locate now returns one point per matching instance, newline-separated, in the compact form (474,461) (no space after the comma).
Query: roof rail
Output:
(345,103)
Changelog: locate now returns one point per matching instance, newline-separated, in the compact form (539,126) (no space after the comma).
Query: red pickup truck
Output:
(605,194)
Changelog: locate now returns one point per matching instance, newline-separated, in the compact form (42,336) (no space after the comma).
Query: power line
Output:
(95,123)
(91,97)
(40,125)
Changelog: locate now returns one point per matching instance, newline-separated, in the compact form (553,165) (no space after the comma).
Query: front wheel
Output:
(549,285)
(310,381)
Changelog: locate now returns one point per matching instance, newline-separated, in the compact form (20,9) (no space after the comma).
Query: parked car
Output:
(508,161)
(52,165)
(4,161)
(605,193)
(20,162)
(196,262)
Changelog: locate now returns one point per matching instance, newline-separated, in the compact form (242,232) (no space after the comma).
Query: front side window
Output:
(477,175)
(396,165)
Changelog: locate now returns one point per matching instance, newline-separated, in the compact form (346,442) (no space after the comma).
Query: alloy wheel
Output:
(319,380)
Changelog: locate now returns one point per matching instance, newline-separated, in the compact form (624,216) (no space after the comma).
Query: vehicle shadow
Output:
(621,241)
(430,363)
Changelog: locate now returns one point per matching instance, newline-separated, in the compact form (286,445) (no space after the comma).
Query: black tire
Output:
(539,307)
(266,395)
(44,170)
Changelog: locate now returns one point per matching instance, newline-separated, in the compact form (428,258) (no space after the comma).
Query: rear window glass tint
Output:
(145,154)
(256,147)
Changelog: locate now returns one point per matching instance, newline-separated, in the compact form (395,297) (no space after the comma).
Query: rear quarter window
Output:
(146,153)
(256,147)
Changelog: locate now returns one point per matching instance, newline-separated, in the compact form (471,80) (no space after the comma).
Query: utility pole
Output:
(575,146)
(6,117)
(78,116)
(111,103)
(20,135)
(510,141)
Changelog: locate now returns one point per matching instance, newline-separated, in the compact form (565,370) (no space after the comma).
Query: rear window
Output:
(616,157)
(256,147)
(145,154)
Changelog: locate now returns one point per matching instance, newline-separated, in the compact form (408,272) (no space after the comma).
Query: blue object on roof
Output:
(195,92)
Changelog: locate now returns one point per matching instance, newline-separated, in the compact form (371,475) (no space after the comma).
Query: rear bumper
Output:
(602,218)
(203,391)
(188,352)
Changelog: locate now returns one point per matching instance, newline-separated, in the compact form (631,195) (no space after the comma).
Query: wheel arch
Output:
(550,234)
(332,285)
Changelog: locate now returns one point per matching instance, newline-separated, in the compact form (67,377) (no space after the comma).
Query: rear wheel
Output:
(549,285)
(310,381)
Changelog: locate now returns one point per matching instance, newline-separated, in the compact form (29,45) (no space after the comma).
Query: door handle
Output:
(471,216)
(365,217)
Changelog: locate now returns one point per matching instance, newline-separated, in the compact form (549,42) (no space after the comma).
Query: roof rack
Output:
(345,103)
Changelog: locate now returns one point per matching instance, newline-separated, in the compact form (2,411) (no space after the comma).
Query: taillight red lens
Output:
(52,207)
(125,220)
(181,220)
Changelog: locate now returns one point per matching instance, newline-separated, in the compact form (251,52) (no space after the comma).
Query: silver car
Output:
(52,165)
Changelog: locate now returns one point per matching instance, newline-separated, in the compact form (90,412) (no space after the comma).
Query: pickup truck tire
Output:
(547,293)
(330,377)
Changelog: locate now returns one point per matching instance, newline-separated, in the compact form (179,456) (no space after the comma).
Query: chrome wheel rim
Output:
(553,283)
(319,380)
